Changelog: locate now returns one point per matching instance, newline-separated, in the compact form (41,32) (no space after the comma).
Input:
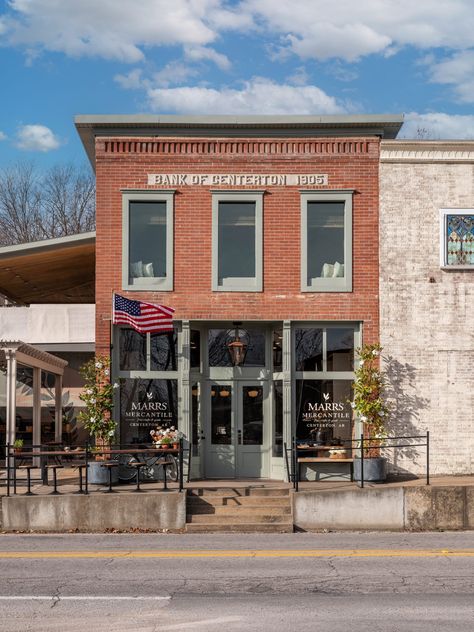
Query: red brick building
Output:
(262,234)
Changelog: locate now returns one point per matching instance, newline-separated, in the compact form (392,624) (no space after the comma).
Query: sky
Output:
(60,58)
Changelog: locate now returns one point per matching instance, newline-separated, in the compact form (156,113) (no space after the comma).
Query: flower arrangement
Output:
(98,398)
(164,437)
(369,403)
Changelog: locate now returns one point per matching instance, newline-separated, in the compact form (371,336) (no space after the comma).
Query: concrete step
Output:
(238,501)
(232,518)
(225,510)
(238,491)
(228,514)
(240,527)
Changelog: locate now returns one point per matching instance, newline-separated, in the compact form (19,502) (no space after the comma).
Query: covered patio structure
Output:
(30,394)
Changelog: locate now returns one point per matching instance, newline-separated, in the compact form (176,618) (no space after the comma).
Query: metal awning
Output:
(52,271)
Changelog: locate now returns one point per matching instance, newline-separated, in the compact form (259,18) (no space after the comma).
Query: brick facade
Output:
(427,320)
(351,163)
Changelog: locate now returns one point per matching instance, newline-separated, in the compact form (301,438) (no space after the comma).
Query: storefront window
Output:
(219,356)
(278,350)
(340,349)
(144,405)
(163,356)
(195,418)
(132,350)
(323,411)
(309,349)
(24,404)
(195,350)
(48,410)
(278,418)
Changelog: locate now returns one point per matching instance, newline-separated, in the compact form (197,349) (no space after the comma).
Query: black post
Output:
(14,472)
(427,457)
(180,465)
(296,472)
(87,468)
(285,449)
(190,452)
(362,460)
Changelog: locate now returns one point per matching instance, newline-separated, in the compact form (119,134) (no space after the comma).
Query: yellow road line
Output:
(183,554)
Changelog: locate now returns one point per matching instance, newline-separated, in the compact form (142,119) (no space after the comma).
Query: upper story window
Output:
(147,230)
(457,238)
(326,241)
(237,241)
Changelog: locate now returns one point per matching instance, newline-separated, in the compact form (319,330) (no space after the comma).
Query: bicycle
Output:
(152,471)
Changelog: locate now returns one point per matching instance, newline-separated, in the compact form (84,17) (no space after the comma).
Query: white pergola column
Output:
(287,384)
(10,356)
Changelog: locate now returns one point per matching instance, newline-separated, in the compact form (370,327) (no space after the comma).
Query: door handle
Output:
(239,436)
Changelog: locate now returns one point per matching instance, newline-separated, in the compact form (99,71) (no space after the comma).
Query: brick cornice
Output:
(431,151)
(262,147)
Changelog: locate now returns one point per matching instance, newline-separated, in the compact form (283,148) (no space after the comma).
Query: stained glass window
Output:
(460,239)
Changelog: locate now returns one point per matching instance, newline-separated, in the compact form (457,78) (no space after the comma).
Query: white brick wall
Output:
(427,314)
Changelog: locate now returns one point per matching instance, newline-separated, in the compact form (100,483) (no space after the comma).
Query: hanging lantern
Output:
(237,344)
(253,393)
(224,393)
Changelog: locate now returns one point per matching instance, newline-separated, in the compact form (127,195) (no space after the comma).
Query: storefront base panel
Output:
(426,508)
(95,513)
(325,472)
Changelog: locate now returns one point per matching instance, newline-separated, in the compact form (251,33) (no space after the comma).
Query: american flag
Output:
(143,317)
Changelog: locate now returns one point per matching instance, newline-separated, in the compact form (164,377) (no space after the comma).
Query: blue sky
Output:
(59,58)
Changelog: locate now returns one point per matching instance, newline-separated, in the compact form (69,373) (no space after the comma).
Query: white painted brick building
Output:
(427,308)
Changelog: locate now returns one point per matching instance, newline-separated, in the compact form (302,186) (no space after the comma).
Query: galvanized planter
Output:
(98,475)
(375,469)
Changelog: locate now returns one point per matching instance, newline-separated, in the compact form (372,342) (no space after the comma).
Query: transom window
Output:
(237,242)
(457,238)
(326,242)
(148,241)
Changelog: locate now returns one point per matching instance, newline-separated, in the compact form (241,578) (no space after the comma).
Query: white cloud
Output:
(36,138)
(111,29)
(199,53)
(438,125)
(131,80)
(322,29)
(3,136)
(319,29)
(258,96)
(459,72)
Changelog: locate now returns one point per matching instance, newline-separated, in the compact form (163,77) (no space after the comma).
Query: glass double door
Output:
(236,430)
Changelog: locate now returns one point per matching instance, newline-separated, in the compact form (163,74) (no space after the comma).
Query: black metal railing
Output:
(45,457)
(359,448)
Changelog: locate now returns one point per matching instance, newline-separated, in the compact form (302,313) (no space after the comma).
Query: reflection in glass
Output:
(340,349)
(147,245)
(195,349)
(221,415)
(163,355)
(132,350)
(195,418)
(323,411)
(144,405)
(278,418)
(252,415)
(236,240)
(278,349)
(325,245)
(48,407)
(24,404)
(309,349)
(219,356)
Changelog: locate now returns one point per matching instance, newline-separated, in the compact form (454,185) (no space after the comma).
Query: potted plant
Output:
(97,396)
(372,411)
(166,437)
(18,446)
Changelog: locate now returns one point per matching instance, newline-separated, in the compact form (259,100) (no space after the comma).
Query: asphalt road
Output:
(148,582)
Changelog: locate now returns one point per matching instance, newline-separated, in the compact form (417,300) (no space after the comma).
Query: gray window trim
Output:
(238,285)
(343,284)
(157,284)
(443,237)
